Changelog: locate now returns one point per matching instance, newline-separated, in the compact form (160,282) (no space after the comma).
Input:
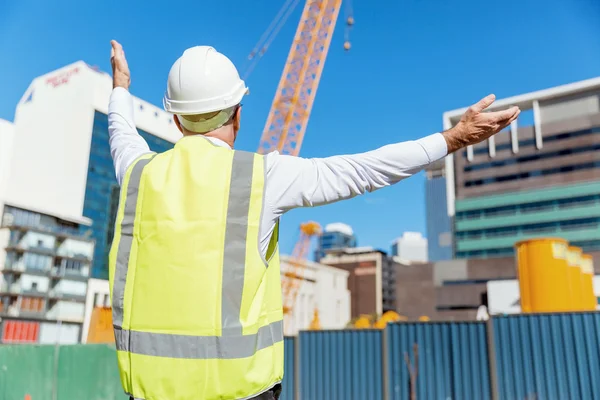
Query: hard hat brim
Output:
(233,98)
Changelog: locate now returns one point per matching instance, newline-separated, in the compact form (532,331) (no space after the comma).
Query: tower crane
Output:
(293,102)
(295,95)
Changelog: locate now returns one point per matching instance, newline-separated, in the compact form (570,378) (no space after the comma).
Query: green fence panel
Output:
(88,372)
(26,370)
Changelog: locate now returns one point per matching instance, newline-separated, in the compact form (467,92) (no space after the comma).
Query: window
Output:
(531,142)
(114,207)
(524,175)
(505,210)
(552,226)
(538,206)
(32,304)
(37,261)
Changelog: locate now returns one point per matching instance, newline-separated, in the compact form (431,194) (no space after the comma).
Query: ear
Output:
(236,119)
(177,123)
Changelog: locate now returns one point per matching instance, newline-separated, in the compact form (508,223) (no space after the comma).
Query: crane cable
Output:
(269,35)
(349,23)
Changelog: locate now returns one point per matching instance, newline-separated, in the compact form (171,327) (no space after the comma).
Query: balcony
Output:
(16,289)
(56,230)
(20,249)
(31,314)
(18,268)
(72,274)
(74,257)
(58,295)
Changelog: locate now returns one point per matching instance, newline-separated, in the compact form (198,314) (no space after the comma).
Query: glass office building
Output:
(335,237)
(439,224)
(102,191)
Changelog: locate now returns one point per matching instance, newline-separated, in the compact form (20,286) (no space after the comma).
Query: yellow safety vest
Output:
(197,309)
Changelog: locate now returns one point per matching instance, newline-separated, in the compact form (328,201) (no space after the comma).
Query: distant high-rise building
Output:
(372,279)
(335,236)
(439,224)
(411,247)
(541,177)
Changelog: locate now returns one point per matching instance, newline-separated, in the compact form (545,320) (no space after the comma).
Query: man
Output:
(194,267)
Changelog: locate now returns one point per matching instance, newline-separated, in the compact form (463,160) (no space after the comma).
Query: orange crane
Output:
(299,82)
(293,276)
(293,102)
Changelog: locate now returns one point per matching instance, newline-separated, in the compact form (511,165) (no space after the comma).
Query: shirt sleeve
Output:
(294,182)
(126,144)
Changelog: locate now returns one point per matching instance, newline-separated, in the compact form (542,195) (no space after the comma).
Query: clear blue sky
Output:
(411,60)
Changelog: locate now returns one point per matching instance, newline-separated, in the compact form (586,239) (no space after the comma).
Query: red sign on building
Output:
(62,77)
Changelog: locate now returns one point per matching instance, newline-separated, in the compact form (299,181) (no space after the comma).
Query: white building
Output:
(323,288)
(69,171)
(411,247)
(7,134)
(58,185)
(98,295)
(504,296)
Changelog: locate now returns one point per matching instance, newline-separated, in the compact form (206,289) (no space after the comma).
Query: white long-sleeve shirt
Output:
(293,182)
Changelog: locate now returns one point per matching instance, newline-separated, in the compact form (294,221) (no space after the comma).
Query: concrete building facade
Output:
(371,280)
(410,247)
(530,181)
(44,268)
(323,289)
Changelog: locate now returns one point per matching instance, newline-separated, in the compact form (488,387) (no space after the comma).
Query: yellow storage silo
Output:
(587,283)
(574,282)
(542,272)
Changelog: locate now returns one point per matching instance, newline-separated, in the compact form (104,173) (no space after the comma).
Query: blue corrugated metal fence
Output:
(452,360)
(542,357)
(341,365)
(548,357)
(289,373)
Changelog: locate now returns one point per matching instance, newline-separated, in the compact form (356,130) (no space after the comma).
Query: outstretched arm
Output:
(126,145)
(298,182)
(303,182)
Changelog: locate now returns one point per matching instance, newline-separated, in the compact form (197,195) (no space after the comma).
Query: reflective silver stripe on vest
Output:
(234,258)
(232,343)
(198,347)
(126,239)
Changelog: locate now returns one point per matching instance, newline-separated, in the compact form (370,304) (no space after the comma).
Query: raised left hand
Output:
(121,74)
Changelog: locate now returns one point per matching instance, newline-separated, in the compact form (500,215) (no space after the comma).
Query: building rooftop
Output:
(339,227)
(526,101)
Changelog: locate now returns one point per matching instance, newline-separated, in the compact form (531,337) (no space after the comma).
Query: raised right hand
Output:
(476,126)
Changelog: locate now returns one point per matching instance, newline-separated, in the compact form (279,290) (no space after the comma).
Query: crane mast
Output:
(299,82)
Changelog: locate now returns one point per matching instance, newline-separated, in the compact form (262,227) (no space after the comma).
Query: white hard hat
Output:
(203,81)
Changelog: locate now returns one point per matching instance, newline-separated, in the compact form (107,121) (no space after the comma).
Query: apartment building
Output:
(371,280)
(45,263)
(539,178)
